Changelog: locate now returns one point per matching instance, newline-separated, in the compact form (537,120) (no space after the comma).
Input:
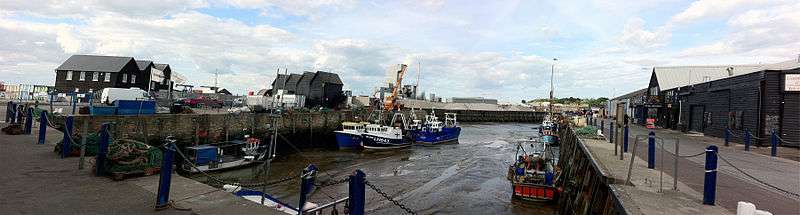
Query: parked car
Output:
(203,101)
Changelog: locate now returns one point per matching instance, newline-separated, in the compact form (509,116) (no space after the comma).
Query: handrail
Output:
(328,205)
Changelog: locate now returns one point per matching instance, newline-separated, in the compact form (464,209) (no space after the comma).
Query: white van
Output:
(110,95)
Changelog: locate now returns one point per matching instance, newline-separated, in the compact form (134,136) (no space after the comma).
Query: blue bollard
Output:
(66,143)
(611,132)
(306,184)
(774,141)
(102,151)
(710,183)
(356,192)
(13,113)
(602,126)
(42,127)
(548,178)
(727,136)
(74,102)
(8,111)
(746,139)
(651,150)
(625,139)
(29,121)
(165,177)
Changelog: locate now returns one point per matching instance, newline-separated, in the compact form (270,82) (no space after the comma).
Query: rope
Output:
(758,180)
(386,196)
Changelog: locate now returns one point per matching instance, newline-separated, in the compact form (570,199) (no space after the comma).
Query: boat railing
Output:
(328,205)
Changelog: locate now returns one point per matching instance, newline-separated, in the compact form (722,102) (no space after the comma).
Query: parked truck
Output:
(109,95)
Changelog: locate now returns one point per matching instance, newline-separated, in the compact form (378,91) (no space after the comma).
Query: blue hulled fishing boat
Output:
(350,135)
(377,136)
(435,131)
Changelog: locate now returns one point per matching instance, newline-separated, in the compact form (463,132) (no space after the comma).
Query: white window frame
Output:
(69,76)
(95,76)
(107,77)
(82,76)
(133,79)
(124,78)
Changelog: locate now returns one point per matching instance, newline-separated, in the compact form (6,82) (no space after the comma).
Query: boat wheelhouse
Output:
(435,131)
(214,157)
(350,135)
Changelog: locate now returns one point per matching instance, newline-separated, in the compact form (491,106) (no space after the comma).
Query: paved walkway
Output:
(34,180)
(732,185)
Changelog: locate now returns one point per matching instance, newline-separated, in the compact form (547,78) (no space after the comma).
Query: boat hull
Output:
(444,136)
(348,140)
(534,192)
(239,163)
(369,141)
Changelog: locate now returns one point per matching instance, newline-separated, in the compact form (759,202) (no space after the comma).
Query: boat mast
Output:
(552,70)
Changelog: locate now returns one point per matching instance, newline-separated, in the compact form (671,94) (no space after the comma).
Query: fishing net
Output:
(587,132)
(129,155)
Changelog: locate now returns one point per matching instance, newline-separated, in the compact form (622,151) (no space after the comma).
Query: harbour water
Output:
(464,178)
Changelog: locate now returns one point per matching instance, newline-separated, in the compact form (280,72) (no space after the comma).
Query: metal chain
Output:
(784,141)
(346,179)
(685,156)
(756,179)
(386,196)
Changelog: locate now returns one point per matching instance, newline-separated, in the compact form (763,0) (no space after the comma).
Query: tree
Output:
(523,101)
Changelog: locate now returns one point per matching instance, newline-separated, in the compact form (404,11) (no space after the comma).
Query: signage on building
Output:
(792,82)
(651,123)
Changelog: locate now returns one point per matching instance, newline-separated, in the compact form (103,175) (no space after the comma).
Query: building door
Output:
(696,118)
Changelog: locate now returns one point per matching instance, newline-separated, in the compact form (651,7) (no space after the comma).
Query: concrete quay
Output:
(733,186)
(34,180)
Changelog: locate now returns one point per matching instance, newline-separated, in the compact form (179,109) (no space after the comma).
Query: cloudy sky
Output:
(500,49)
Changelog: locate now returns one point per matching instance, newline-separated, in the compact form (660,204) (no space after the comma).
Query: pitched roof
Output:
(678,76)
(95,63)
(327,77)
(291,82)
(279,81)
(161,66)
(142,64)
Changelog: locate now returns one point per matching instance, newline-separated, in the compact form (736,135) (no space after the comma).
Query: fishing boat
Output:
(549,133)
(265,199)
(435,131)
(392,136)
(534,173)
(350,135)
(231,154)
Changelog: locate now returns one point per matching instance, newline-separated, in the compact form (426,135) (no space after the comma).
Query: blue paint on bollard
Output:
(13,113)
(42,127)
(710,183)
(651,150)
(746,139)
(727,136)
(8,111)
(74,102)
(611,132)
(306,184)
(66,143)
(102,151)
(548,178)
(165,177)
(625,139)
(29,121)
(357,191)
(774,141)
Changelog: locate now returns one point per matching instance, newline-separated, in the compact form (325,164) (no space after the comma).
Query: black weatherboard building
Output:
(320,88)
(711,99)
(82,73)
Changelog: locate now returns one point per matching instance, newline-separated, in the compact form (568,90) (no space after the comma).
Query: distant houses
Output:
(84,73)
(319,88)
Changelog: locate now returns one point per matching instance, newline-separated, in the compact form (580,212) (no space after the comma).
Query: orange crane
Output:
(390,102)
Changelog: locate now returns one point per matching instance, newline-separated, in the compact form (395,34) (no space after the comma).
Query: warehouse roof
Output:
(670,77)
(327,77)
(95,63)
(142,64)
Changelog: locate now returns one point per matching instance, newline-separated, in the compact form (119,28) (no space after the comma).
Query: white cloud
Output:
(634,36)
(88,8)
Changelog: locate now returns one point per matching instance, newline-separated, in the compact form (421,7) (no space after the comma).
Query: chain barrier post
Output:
(13,113)
(710,183)
(19,113)
(602,125)
(66,143)
(102,151)
(651,150)
(165,177)
(675,164)
(42,127)
(727,136)
(357,191)
(8,111)
(611,132)
(84,135)
(306,184)
(747,139)
(29,121)
(774,141)
(625,139)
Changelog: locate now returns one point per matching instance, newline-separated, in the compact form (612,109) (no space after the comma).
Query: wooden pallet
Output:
(118,176)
